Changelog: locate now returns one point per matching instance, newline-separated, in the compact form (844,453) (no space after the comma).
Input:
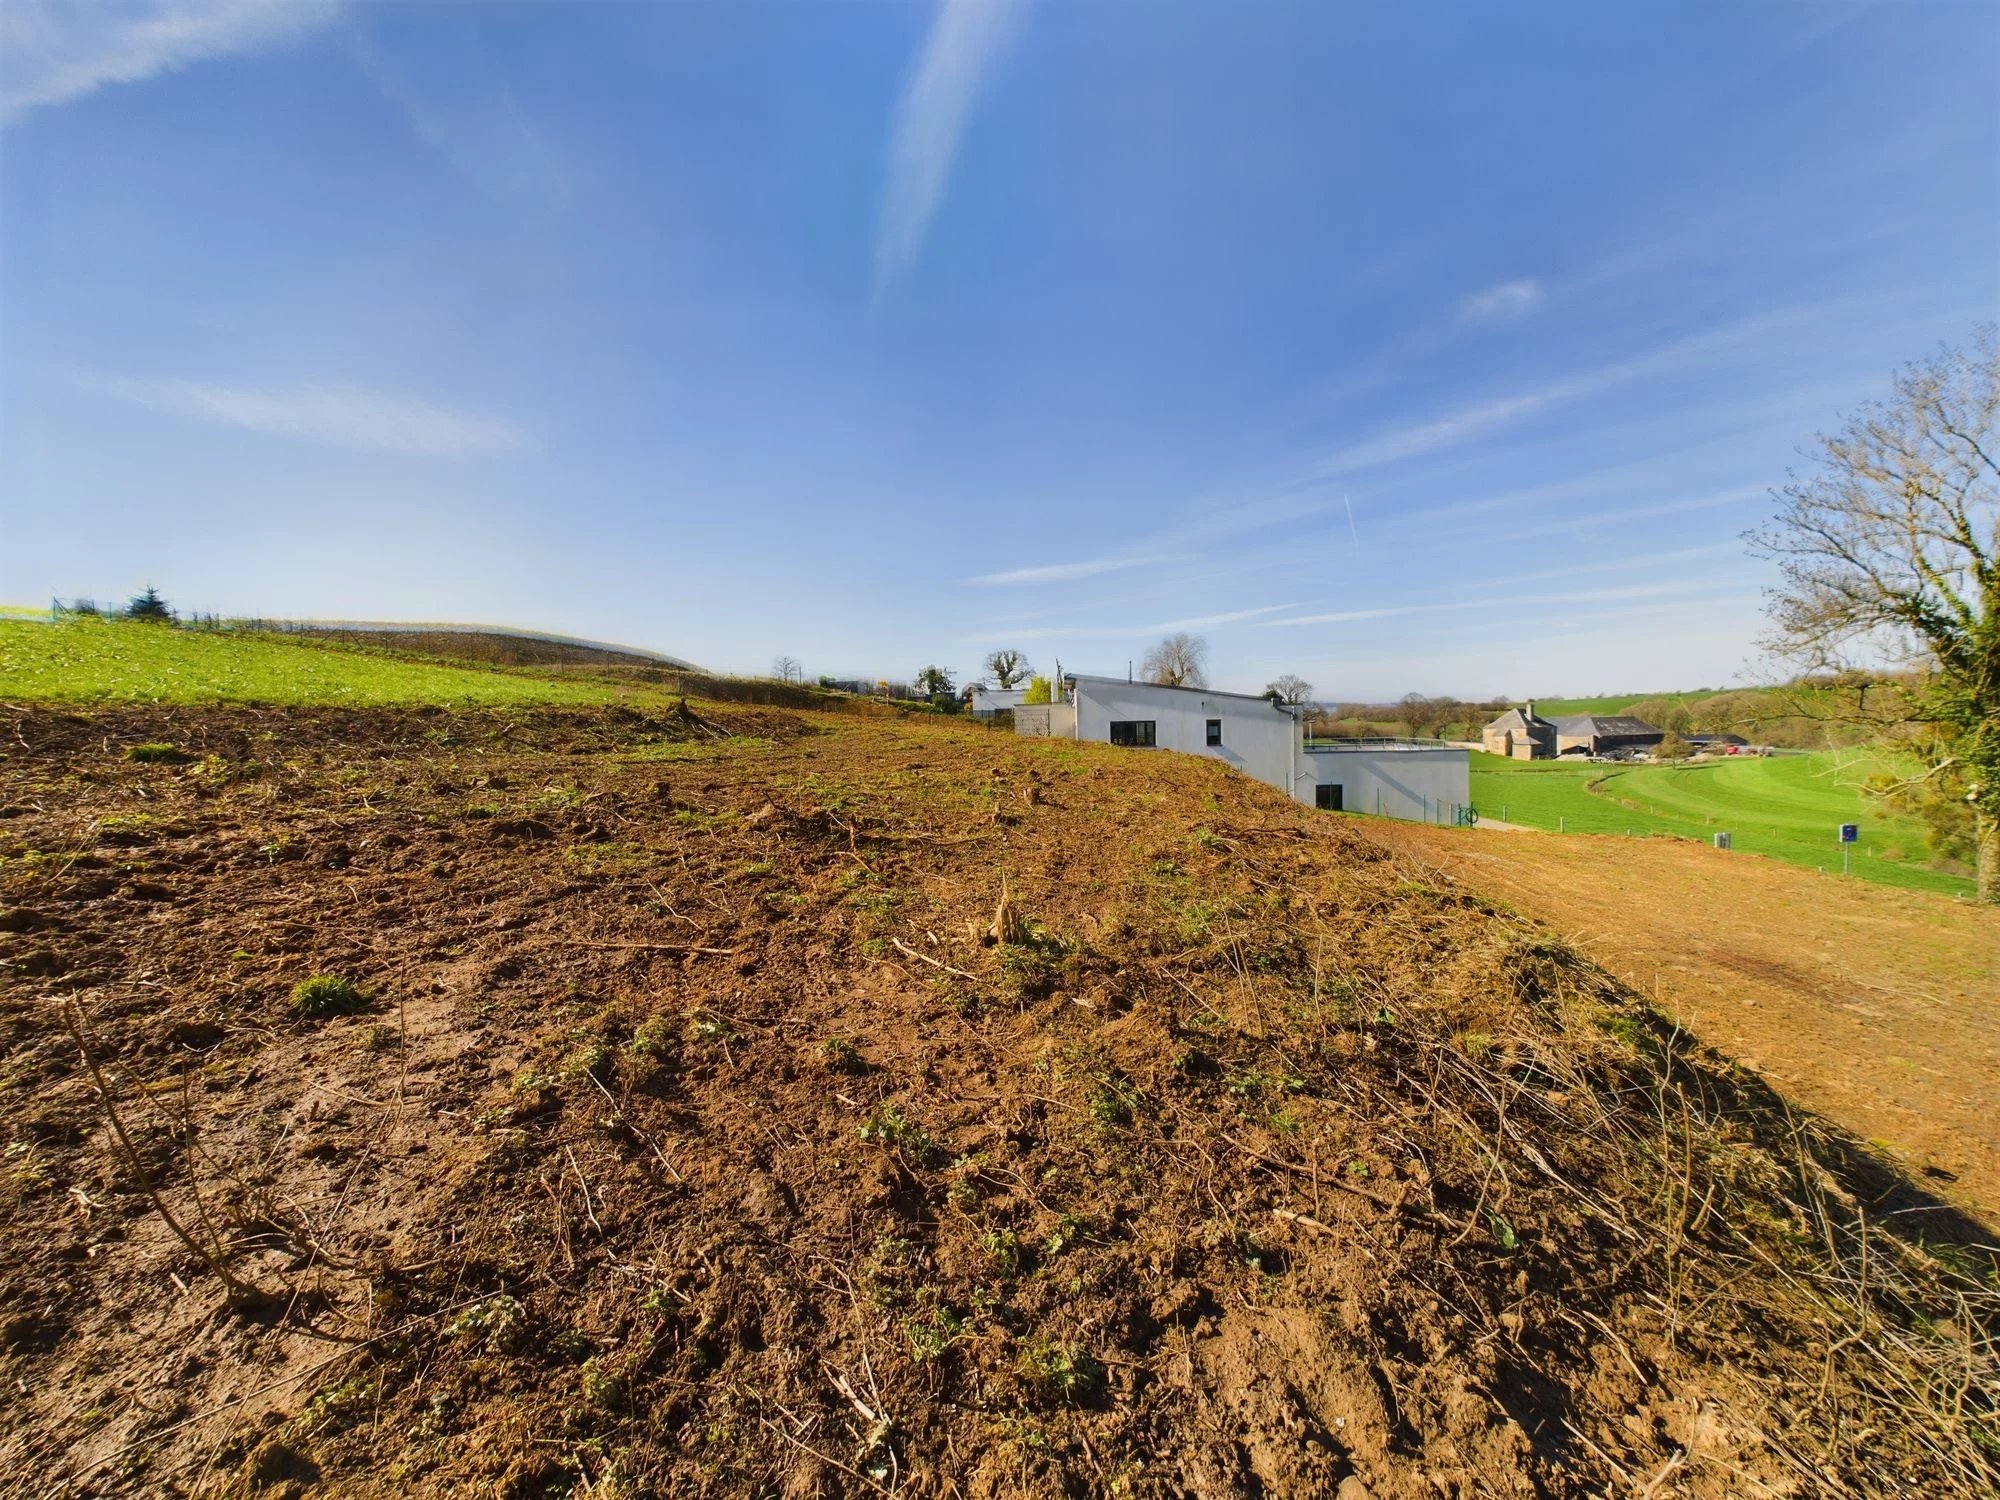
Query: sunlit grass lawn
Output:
(93,661)
(1788,807)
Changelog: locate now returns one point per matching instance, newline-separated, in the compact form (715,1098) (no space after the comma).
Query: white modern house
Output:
(1420,780)
(984,701)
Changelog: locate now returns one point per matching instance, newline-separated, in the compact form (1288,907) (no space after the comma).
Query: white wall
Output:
(1051,720)
(1397,783)
(986,700)
(1257,739)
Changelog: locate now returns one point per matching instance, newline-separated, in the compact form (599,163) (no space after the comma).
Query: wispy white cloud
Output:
(485,138)
(1484,417)
(53,51)
(1061,572)
(343,416)
(930,122)
(1230,617)
(1502,303)
(1678,589)
(1445,432)
(1599,520)
(1700,588)
(1625,564)
(1135,629)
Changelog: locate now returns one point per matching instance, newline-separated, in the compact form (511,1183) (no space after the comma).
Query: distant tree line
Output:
(147,607)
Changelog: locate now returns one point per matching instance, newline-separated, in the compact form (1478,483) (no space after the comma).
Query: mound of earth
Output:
(503,647)
(734,1103)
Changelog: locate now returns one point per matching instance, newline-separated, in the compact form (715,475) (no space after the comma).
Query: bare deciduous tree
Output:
(1290,689)
(1180,660)
(1889,554)
(1008,667)
(786,668)
(1423,717)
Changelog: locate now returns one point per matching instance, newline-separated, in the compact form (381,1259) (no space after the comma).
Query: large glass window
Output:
(1137,732)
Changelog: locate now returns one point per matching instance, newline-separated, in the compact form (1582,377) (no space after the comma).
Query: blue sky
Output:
(1406,347)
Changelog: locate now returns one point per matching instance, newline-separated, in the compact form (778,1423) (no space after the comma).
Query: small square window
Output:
(1215,731)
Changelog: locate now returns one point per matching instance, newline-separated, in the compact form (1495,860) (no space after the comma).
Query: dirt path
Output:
(1874,1006)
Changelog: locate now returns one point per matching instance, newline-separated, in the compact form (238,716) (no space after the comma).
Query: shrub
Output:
(654,1038)
(496,1323)
(1060,1372)
(889,1126)
(326,995)
(149,607)
(1003,1251)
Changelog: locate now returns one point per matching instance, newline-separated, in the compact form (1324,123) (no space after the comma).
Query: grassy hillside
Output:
(99,661)
(493,647)
(1616,703)
(1788,807)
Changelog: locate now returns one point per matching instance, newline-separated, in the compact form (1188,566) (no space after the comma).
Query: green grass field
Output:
(86,661)
(1788,807)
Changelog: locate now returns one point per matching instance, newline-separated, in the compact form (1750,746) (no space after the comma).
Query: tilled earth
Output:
(1872,1005)
(739,1103)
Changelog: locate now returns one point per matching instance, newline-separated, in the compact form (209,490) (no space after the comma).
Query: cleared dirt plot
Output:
(1875,1007)
(715,1101)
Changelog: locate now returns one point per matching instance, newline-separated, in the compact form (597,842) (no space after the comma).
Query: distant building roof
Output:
(1516,718)
(1580,725)
(1163,687)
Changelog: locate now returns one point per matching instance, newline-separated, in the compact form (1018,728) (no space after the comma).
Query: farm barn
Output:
(1604,734)
(1396,778)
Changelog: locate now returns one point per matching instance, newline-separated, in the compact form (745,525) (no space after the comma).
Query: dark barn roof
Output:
(1603,726)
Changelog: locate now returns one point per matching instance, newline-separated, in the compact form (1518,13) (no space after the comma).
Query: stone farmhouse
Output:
(1520,734)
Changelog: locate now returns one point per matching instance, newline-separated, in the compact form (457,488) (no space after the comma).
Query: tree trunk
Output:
(1986,844)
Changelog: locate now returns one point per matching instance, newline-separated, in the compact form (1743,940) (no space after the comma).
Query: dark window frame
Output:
(1135,734)
(1328,796)
(1214,733)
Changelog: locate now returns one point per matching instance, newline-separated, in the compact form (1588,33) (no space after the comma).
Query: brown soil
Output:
(687,1139)
(1873,1006)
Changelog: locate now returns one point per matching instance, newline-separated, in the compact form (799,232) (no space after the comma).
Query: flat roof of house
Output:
(1167,687)
(1376,743)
